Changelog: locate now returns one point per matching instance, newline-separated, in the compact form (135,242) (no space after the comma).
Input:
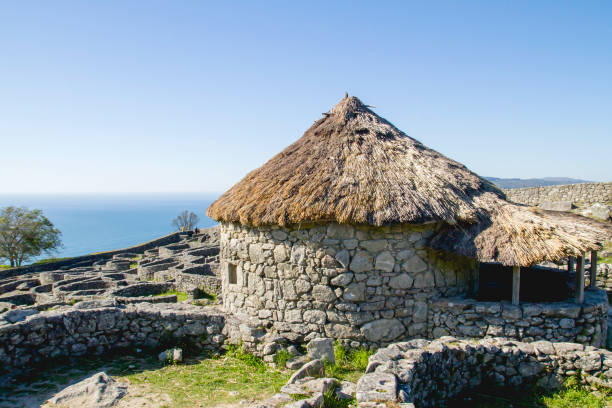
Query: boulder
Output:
(171,356)
(97,391)
(315,368)
(321,348)
(383,329)
(598,210)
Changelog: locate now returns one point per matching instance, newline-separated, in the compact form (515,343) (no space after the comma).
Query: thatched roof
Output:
(515,234)
(354,167)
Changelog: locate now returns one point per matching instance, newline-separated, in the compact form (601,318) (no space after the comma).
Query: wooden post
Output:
(593,274)
(571,261)
(580,279)
(516,284)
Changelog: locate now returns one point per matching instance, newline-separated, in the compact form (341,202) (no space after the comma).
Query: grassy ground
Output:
(180,296)
(572,396)
(608,259)
(210,381)
(350,364)
(202,381)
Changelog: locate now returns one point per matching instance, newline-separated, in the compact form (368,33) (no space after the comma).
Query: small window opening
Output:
(232,275)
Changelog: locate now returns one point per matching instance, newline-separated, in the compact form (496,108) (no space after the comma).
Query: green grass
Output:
(570,396)
(608,259)
(331,400)
(133,265)
(281,357)
(201,381)
(4,267)
(180,296)
(49,260)
(350,364)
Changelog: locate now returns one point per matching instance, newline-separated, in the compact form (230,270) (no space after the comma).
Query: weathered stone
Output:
(355,292)
(424,280)
(343,257)
(171,356)
(97,391)
(376,387)
(315,368)
(374,246)
(401,281)
(321,349)
(340,231)
(323,293)
(361,262)
(315,316)
(384,262)
(414,264)
(280,253)
(383,329)
(343,279)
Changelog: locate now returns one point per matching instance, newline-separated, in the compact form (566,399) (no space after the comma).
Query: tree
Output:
(186,220)
(25,234)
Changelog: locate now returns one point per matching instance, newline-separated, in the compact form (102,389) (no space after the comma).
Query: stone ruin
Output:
(189,265)
(91,307)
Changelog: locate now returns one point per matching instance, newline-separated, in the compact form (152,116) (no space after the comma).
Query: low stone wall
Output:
(165,240)
(557,321)
(189,278)
(585,193)
(427,373)
(604,277)
(74,332)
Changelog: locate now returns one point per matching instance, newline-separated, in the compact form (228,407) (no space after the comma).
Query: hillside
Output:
(533,182)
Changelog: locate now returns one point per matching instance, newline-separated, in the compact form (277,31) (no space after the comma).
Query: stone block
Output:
(321,349)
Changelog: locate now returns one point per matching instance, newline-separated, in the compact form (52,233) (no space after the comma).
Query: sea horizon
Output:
(95,222)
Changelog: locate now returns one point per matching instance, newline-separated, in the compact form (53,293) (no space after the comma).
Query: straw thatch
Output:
(354,167)
(515,234)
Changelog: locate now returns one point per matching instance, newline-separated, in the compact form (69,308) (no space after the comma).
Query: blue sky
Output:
(155,96)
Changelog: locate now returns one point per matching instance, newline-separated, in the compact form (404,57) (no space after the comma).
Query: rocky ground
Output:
(189,266)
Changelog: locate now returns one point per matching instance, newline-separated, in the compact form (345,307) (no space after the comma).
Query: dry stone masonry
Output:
(584,193)
(420,373)
(372,286)
(29,337)
(189,265)
(559,321)
(362,285)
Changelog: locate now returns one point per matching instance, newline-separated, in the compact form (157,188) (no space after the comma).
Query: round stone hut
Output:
(361,233)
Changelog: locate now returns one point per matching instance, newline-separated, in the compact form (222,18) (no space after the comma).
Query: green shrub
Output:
(350,364)
(281,358)
(331,400)
(239,353)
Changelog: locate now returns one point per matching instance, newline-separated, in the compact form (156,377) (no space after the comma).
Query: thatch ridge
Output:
(354,167)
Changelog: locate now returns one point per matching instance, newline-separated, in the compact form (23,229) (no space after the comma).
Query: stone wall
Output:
(29,337)
(426,374)
(558,321)
(604,277)
(585,193)
(88,259)
(360,284)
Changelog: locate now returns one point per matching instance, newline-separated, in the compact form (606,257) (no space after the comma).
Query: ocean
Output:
(100,222)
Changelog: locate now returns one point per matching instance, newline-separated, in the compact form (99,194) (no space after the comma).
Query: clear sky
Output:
(156,96)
